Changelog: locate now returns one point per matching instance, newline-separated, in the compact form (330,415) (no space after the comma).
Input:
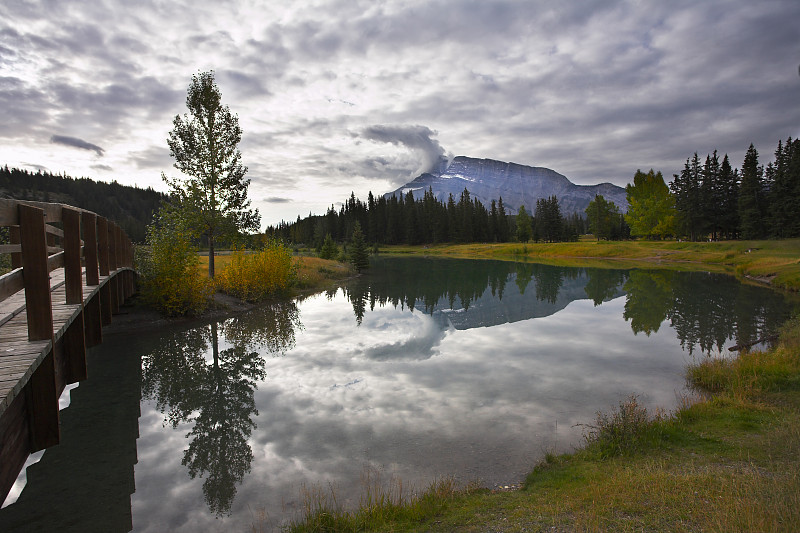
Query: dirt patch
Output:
(136,317)
(767,280)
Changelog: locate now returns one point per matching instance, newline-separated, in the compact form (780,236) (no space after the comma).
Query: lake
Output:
(420,368)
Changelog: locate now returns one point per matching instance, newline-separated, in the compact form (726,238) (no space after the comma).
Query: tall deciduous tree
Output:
(603,217)
(651,207)
(204,144)
(524,229)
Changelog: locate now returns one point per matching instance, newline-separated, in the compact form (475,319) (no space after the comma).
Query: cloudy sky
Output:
(336,96)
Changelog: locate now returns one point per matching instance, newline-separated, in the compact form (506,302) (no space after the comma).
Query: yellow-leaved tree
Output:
(651,206)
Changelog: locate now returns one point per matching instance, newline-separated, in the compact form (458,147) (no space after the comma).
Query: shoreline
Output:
(772,262)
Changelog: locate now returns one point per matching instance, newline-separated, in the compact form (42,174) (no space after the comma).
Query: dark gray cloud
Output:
(350,95)
(416,138)
(76,143)
(277,200)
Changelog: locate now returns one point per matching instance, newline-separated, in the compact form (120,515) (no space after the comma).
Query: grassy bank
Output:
(730,462)
(776,262)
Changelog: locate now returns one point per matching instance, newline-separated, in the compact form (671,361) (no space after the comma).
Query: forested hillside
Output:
(130,207)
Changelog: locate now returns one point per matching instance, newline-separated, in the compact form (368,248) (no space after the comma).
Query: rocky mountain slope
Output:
(487,180)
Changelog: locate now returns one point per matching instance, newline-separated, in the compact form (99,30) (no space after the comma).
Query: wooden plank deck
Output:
(19,357)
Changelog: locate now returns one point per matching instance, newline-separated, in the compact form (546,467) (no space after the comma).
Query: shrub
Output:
(624,429)
(168,267)
(259,275)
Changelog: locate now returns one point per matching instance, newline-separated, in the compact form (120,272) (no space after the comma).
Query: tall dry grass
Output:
(266,273)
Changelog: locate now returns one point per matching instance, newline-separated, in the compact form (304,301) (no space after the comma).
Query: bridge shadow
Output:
(85,483)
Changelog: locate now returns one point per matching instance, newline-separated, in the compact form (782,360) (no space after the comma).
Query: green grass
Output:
(726,460)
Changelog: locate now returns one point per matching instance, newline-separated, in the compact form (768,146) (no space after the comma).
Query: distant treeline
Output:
(131,208)
(406,220)
(707,200)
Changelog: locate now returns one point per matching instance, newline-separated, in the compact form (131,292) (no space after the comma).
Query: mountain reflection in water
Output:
(705,309)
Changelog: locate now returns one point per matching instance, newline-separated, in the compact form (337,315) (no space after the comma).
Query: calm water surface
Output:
(421,368)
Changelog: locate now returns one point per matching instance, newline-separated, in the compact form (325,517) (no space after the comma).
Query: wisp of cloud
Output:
(76,143)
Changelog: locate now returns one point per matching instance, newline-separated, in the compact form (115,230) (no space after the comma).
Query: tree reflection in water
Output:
(704,309)
(217,394)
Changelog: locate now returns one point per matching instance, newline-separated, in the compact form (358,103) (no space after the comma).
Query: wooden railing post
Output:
(92,314)
(119,253)
(102,245)
(112,266)
(72,255)
(112,246)
(90,247)
(41,392)
(37,276)
(102,252)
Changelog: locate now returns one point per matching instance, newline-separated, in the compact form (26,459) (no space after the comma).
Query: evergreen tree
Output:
(751,197)
(548,219)
(503,231)
(711,196)
(784,194)
(465,218)
(493,230)
(359,254)
(686,188)
(729,199)
(329,249)
(452,224)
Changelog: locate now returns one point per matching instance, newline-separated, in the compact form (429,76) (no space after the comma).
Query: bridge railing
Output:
(64,314)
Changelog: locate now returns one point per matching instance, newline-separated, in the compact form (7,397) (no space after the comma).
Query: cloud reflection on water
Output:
(422,387)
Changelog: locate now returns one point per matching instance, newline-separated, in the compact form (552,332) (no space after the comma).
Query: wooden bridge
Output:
(71,271)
